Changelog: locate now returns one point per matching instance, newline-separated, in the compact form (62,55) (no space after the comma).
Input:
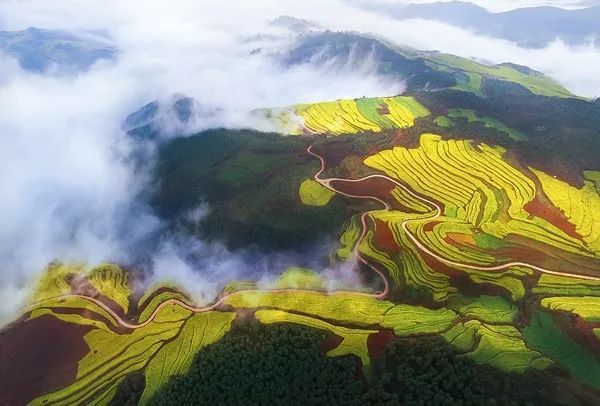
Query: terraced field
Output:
(347,116)
(492,213)
(470,220)
(499,260)
(169,331)
(89,307)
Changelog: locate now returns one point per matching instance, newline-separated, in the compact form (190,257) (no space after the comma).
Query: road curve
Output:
(437,212)
(356,252)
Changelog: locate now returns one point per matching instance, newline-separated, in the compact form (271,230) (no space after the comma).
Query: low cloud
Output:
(69,190)
(507,5)
(572,66)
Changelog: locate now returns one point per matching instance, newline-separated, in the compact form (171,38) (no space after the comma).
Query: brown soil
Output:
(461,279)
(586,331)
(384,238)
(39,356)
(429,226)
(440,267)
(378,342)
(156,293)
(404,138)
(459,240)
(469,288)
(548,212)
(331,342)
(334,153)
(544,255)
(90,315)
(383,109)
(578,329)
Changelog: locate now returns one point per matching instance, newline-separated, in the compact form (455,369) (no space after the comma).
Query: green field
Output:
(495,260)
(471,117)
(312,193)
(536,82)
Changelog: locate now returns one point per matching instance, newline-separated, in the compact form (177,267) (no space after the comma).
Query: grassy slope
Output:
(312,193)
(536,82)
(543,335)
(471,116)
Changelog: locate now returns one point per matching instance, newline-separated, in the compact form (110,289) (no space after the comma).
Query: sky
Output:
(507,5)
(68,190)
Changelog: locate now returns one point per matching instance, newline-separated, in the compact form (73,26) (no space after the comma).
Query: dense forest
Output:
(250,181)
(285,364)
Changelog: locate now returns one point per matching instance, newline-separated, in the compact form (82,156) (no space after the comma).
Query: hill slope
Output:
(419,70)
(38,50)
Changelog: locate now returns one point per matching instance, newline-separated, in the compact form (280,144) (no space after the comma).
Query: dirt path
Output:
(193,309)
(437,212)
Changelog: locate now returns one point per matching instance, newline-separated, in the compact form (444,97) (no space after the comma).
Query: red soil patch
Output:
(244,315)
(583,331)
(384,237)
(544,255)
(548,212)
(439,266)
(334,154)
(461,279)
(459,240)
(331,342)
(383,109)
(91,315)
(160,291)
(378,342)
(470,288)
(39,356)
(429,226)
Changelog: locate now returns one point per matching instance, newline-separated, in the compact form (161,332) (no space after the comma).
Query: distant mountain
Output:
(529,27)
(295,24)
(419,70)
(39,50)
(164,118)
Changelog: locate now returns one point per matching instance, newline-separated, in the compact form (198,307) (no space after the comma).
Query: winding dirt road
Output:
(437,212)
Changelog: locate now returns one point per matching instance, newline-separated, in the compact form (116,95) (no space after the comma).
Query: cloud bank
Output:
(507,5)
(68,189)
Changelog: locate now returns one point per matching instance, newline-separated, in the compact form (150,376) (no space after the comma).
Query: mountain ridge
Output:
(531,27)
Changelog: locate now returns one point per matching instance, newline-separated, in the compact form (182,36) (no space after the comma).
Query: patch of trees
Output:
(280,364)
(428,371)
(285,364)
(186,166)
(129,390)
(266,213)
(283,225)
